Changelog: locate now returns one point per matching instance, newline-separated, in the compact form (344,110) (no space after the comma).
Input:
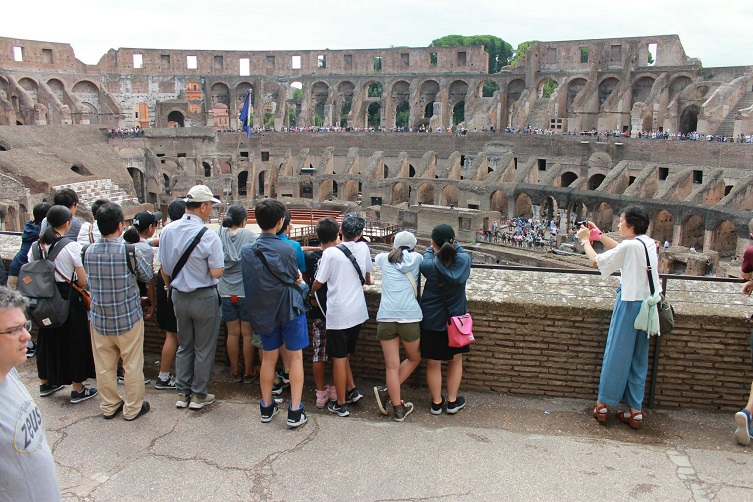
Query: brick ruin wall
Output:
(607,84)
(704,362)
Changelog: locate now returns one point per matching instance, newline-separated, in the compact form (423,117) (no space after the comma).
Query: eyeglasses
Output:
(16,330)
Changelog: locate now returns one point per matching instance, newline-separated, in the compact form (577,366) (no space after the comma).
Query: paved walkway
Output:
(498,448)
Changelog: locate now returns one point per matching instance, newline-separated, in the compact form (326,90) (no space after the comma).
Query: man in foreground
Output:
(27,469)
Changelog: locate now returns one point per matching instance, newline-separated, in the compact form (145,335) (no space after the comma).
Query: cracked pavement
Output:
(500,447)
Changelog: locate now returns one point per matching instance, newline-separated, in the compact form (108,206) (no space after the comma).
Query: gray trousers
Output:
(198,316)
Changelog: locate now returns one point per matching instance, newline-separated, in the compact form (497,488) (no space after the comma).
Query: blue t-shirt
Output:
(299,258)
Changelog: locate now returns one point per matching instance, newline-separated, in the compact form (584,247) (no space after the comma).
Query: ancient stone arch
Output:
(724,238)
(662,226)
(692,232)
(606,88)
(567,178)
(426,193)
(549,208)
(351,190)
(220,94)
(400,193)
(677,85)
(523,206)
(574,86)
(595,181)
(689,119)
(498,202)
(641,90)
(603,217)
(450,196)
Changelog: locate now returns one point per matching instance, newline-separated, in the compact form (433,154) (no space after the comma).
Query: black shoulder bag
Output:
(666,311)
(352,259)
(303,288)
(184,258)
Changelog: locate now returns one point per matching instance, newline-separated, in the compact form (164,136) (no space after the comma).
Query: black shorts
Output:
(435,346)
(165,311)
(342,342)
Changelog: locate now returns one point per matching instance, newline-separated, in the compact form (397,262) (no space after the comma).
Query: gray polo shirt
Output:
(175,239)
(27,469)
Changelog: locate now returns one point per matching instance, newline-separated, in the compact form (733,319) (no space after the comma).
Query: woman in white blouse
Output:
(623,371)
(64,354)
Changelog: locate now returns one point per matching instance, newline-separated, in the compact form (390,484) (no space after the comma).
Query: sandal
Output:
(600,413)
(634,420)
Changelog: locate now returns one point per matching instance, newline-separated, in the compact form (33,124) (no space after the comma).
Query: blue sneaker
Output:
(743,432)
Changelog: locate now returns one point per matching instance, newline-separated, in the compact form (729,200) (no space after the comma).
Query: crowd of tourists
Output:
(125,132)
(270,291)
(531,233)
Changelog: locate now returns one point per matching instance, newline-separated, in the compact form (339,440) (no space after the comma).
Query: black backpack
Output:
(36,281)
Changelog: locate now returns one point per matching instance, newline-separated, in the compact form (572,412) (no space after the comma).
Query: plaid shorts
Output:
(319,331)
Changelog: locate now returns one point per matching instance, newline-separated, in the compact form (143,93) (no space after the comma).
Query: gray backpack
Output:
(36,281)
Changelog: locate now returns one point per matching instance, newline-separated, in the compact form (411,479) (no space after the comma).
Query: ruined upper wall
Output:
(608,53)
(36,55)
(400,60)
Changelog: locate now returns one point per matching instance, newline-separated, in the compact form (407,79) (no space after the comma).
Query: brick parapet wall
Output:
(556,351)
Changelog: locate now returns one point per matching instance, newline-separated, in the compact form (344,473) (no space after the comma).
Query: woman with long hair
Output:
(635,315)
(64,354)
(446,267)
(234,235)
(399,320)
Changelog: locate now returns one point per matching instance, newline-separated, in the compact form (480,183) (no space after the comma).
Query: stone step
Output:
(727,127)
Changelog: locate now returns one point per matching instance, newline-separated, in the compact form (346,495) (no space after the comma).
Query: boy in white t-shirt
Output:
(345,268)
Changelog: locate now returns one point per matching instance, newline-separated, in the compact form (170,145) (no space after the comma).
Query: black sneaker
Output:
(341,409)
(31,349)
(86,393)
(267,412)
(46,389)
(353,396)
(143,411)
(382,399)
(166,384)
(114,413)
(402,410)
(277,387)
(283,376)
(456,405)
(436,408)
(296,418)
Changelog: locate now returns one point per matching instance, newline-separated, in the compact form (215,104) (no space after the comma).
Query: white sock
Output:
(164,376)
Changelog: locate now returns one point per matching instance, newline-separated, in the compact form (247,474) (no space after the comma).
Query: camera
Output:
(579,224)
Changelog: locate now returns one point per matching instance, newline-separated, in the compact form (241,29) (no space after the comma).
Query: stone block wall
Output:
(530,349)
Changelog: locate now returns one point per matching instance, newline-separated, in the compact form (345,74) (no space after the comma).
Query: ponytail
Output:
(48,236)
(227,222)
(396,254)
(447,254)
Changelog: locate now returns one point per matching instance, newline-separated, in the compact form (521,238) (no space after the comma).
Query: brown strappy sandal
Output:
(634,420)
(600,413)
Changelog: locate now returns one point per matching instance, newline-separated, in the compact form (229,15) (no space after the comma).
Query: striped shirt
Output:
(116,302)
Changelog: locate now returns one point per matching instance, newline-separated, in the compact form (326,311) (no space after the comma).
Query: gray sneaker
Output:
(183,400)
(402,410)
(382,399)
(198,403)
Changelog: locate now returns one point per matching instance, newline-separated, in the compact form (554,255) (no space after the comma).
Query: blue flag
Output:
(245,116)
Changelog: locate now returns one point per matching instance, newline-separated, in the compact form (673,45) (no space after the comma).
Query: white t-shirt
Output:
(65,262)
(83,234)
(629,256)
(346,303)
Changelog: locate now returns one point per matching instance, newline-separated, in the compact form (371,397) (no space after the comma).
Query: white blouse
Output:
(630,258)
(66,261)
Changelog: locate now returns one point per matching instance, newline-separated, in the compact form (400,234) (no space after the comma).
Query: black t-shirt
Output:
(312,265)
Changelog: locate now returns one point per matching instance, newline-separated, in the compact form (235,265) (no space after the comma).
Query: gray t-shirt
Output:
(27,469)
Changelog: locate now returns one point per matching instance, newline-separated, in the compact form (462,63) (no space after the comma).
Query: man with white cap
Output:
(192,261)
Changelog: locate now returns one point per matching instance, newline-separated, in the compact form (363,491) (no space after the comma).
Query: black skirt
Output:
(435,345)
(64,354)
(165,311)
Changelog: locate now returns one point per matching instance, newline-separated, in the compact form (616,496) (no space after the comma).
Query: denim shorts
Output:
(233,311)
(294,334)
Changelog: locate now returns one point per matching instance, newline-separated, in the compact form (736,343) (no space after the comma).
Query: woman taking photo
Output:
(233,235)
(446,267)
(64,354)
(623,371)
(398,320)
